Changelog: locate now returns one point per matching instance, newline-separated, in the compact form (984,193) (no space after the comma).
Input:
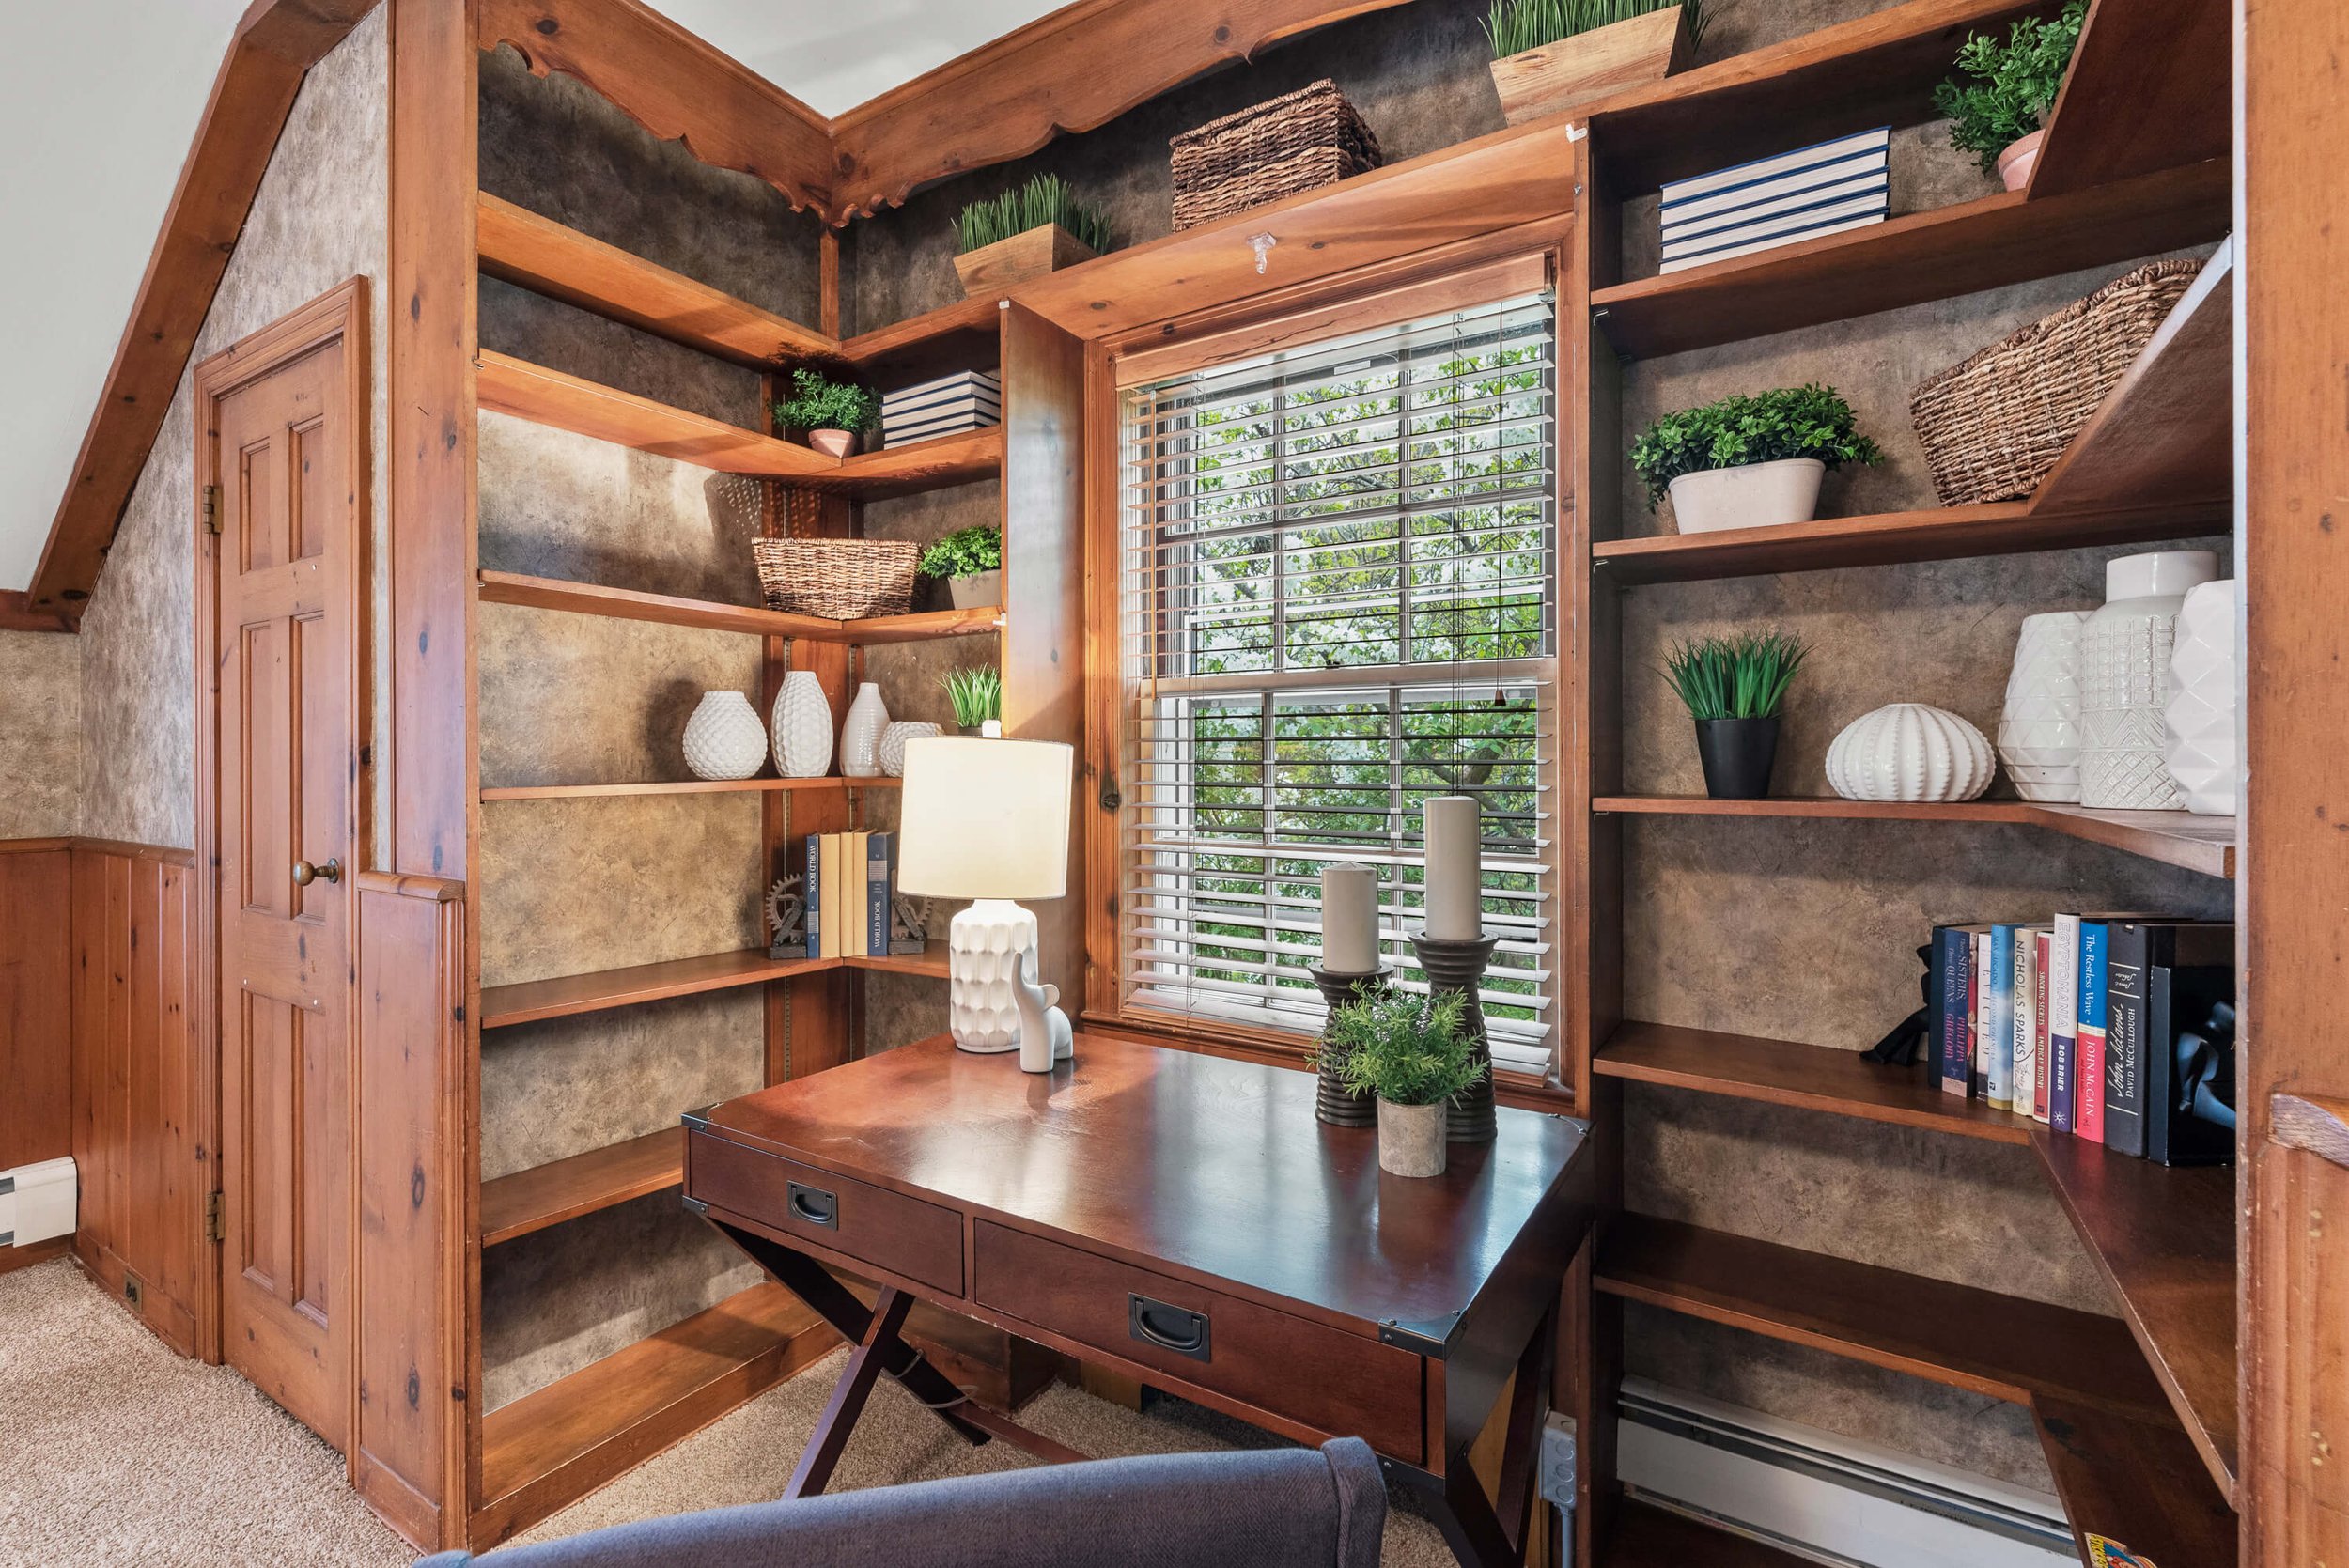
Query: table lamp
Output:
(988,820)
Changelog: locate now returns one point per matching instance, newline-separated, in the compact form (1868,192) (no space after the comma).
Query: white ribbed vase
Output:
(2124,679)
(859,737)
(724,740)
(1909,752)
(803,726)
(2198,727)
(2039,729)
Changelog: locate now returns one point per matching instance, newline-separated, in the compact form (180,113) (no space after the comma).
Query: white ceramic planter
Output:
(2039,730)
(1909,752)
(2124,679)
(801,723)
(892,744)
(1751,495)
(724,740)
(979,591)
(2199,727)
(1412,1139)
(860,735)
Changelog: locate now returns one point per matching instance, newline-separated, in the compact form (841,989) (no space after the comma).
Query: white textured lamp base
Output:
(982,949)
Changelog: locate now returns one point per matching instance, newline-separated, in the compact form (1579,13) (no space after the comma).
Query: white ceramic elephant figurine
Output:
(1045,1034)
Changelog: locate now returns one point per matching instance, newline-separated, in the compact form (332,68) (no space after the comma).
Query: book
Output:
(1757,206)
(877,894)
(2064,1006)
(1953,1039)
(2026,1016)
(2134,948)
(853,884)
(2042,947)
(1998,1021)
(836,894)
(1936,976)
(1759,171)
(811,889)
(2088,1044)
(2184,1049)
(1978,1017)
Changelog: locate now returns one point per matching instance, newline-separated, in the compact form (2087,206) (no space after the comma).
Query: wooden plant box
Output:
(989,271)
(1589,66)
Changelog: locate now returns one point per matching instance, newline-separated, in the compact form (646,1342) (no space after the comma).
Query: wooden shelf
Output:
(2137,1483)
(2164,1238)
(682,786)
(542,255)
(931,961)
(965,337)
(532,999)
(2204,844)
(2147,88)
(2000,240)
(551,1447)
(1647,1536)
(2001,1346)
(545,397)
(1809,1077)
(526,1201)
(594,598)
(934,464)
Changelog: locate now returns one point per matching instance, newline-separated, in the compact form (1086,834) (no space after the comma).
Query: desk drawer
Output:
(870,1224)
(1340,1383)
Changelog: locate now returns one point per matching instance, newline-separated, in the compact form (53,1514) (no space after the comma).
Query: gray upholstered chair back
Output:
(1272,1508)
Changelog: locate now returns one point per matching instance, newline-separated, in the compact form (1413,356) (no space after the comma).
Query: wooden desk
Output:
(1182,1218)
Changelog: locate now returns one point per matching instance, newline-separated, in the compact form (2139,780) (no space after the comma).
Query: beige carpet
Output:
(122,1452)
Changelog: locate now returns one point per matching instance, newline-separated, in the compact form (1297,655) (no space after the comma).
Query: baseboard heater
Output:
(1823,1497)
(37,1202)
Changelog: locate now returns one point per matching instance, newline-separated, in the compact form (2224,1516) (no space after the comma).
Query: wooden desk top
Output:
(1174,1160)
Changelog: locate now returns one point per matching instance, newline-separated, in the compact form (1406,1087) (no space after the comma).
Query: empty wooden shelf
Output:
(962,336)
(931,961)
(545,397)
(2147,89)
(526,1201)
(529,1001)
(628,604)
(2134,1482)
(679,786)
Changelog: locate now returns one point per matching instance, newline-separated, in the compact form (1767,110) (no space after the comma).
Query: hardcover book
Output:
(2189,1075)
(2134,948)
(2087,1050)
(876,854)
(811,888)
(2043,959)
(2026,1016)
(1998,1021)
(1953,1009)
(2064,1006)
(1978,1023)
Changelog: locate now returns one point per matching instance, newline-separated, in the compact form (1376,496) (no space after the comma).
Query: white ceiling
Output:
(88,175)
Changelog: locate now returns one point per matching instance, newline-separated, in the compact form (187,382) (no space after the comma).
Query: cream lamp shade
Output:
(984,818)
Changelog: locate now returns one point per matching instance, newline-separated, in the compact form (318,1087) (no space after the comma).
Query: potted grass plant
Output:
(977,696)
(1026,232)
(2000,115)
(832,414)
(1551,55)
(1414,1053)
(1733,687)
(969,560)
(1749,461)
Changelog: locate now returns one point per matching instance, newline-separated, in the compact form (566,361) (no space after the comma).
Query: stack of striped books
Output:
(1776,201)
(963,401)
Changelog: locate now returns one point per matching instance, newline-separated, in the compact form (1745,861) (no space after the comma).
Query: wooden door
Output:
(281,461)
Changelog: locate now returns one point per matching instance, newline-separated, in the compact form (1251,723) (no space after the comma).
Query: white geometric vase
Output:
(2039,728)
(2198,727)
(983,950)
(1909,752)
(893,743)
(801,723)
(860,735)
(724,740)
(2124,679)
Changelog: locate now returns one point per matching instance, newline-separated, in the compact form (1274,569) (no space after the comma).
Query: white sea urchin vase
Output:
(803,726)
(2039,730)
(893,743)
(2124,678)
(1909,752)
(2198,727)
(724,740)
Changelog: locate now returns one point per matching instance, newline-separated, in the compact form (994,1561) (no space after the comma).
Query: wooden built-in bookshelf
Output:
(542,1195)
(678,787)
(628,604)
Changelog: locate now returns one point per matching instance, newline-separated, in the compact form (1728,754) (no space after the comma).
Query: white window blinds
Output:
(1338,599)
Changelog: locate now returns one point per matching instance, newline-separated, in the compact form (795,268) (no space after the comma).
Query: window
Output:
(1338,598)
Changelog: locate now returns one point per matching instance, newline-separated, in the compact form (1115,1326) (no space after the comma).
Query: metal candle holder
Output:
(1331,1103)
(1458,966)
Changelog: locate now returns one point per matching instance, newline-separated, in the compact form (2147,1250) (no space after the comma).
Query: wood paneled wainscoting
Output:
(36,1014)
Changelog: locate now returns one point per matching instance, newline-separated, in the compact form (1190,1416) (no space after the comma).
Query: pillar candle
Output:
(1350,919)
(1455,871)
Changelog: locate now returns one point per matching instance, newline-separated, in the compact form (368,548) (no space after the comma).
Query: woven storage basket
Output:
(1993,426)
(845,579)
(1299,141)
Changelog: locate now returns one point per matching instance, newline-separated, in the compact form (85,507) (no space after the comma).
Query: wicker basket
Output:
(1993,426)
(1299,141)
(844,580)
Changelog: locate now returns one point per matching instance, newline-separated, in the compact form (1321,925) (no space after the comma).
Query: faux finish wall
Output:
(40,734)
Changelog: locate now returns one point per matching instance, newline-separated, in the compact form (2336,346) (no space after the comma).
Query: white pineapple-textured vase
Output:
(802,725)
(1909,752)
(985,945)
(2198,727)
(2124,679)
(724,740)
(859,737)
(2039,728)
(893,743)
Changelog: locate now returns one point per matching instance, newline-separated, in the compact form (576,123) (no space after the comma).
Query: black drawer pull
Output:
(815,1205)
(1175,1328)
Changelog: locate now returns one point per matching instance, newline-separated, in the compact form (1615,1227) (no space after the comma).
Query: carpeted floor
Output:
(120,1451)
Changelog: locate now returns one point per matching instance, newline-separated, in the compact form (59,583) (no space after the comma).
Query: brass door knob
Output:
(305,874)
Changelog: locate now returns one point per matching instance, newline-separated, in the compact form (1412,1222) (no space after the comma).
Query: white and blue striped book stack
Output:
(1776,201)
(965,400)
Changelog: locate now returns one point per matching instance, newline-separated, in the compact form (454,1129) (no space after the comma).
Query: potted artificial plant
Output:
(969,560)
(833,414)
(1026,232)
(1732,687)
(1550,56)
(2001,116)
(1415,1054)
(1749,461)
(977,697)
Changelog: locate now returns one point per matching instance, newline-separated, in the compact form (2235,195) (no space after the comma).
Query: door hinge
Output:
(212,509)
(214,1228)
